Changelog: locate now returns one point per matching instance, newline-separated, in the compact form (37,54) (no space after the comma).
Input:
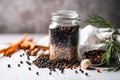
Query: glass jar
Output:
(64,35)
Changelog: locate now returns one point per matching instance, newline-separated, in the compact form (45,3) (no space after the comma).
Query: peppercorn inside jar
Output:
(64,35)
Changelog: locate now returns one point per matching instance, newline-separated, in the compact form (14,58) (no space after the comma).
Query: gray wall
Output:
(33,16)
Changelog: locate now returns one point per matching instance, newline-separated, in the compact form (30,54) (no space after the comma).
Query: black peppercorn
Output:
(18,65)
(79,69)
(28,63)
(20,55)
(28,57)
(9,56)
(29,68)
(45,62)
(86,74)
(54,69)
(50,73)
(62,70)
(9,66)
(82,71)
(23,54)
(21,62)
(37,73)
(76,71)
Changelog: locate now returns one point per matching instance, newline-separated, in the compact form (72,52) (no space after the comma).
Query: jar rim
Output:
(65,14)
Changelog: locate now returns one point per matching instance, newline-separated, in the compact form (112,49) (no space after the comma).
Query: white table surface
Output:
(22,72)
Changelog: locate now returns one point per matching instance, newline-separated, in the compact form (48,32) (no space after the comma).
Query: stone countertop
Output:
(23,73)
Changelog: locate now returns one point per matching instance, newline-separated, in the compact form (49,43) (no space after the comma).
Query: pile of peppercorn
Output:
(95,56)
(45,62)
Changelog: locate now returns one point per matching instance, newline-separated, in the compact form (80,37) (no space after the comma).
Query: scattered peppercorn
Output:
(9,66)
(82,71)
(54,70)
(79,69)
(37,73)
(76,71)
(50,73)
(18,65)
(86,74)
(28,63)
(20,55)
(9,56)
(62,71)
(28,58)
(21,62)
(23,54)
(29,68)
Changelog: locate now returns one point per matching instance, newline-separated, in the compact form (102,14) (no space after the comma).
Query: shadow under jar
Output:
(64,35)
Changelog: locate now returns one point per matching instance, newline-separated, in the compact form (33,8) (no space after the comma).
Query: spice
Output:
(86,74)
(95,56)
(29,68)
(64,35)
(79,69)
(85,63)
(28,58)
(21,62)
(45,62)
(12,47)
(18,65)
(9,66)
(28,52)
(76,71)
(50,73)
(28,63)
(64,44)
(37,73)
(98,70)
(23,54)
(40,53)
(74,66)
(82,71)
(20,55)
(9,56)
(47,52)
(62,71)
(34,52)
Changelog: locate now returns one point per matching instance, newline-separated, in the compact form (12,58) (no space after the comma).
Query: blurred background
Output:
(33,16)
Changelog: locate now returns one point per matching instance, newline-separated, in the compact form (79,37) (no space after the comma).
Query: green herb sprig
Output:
(112,45)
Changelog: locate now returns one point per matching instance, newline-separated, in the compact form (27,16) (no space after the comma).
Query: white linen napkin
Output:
(90,38)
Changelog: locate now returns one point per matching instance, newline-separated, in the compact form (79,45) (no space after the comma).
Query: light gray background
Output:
(33,16)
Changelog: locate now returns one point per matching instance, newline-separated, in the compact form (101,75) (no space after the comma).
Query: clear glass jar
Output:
(64,35)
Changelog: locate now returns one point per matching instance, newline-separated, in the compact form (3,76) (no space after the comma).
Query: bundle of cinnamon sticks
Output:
(23,43)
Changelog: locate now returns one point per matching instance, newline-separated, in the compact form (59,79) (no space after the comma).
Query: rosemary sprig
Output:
(98,21)
(112,45)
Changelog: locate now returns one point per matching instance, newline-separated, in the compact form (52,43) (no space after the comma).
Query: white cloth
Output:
(90,38)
